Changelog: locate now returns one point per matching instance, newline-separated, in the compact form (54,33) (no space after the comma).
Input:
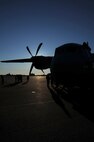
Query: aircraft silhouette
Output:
(39,62)
(72,64)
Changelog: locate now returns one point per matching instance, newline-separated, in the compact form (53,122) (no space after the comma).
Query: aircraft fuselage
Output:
(72,64)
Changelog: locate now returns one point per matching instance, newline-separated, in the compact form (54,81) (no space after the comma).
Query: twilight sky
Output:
(53,22)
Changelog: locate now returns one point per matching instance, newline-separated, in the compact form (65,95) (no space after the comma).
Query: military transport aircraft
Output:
(72,64)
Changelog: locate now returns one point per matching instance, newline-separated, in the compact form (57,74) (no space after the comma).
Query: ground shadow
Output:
(81,99)
(24,83)
(59,101)
(11,84)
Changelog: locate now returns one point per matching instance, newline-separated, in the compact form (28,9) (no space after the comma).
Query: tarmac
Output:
(32,112)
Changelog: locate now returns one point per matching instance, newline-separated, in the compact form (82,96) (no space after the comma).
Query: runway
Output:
(32,112)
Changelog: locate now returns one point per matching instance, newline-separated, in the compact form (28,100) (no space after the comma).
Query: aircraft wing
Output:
(18,60)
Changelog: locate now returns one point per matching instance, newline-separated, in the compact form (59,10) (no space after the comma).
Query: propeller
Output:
(33,56)
(38,48)
(31,69)
(29,51)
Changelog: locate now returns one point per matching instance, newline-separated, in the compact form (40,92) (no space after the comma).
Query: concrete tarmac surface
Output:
(32,112)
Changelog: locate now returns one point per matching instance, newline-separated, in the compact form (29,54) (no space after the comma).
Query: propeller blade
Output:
(38,48)
(29,50)
(31,69)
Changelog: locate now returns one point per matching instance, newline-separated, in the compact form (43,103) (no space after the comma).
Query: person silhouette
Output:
(48,78)
(2,79)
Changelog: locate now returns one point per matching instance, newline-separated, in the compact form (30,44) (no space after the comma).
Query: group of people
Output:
(51,81)
(18,79)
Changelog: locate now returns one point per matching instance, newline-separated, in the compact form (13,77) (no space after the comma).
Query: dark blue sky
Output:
(53,22)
